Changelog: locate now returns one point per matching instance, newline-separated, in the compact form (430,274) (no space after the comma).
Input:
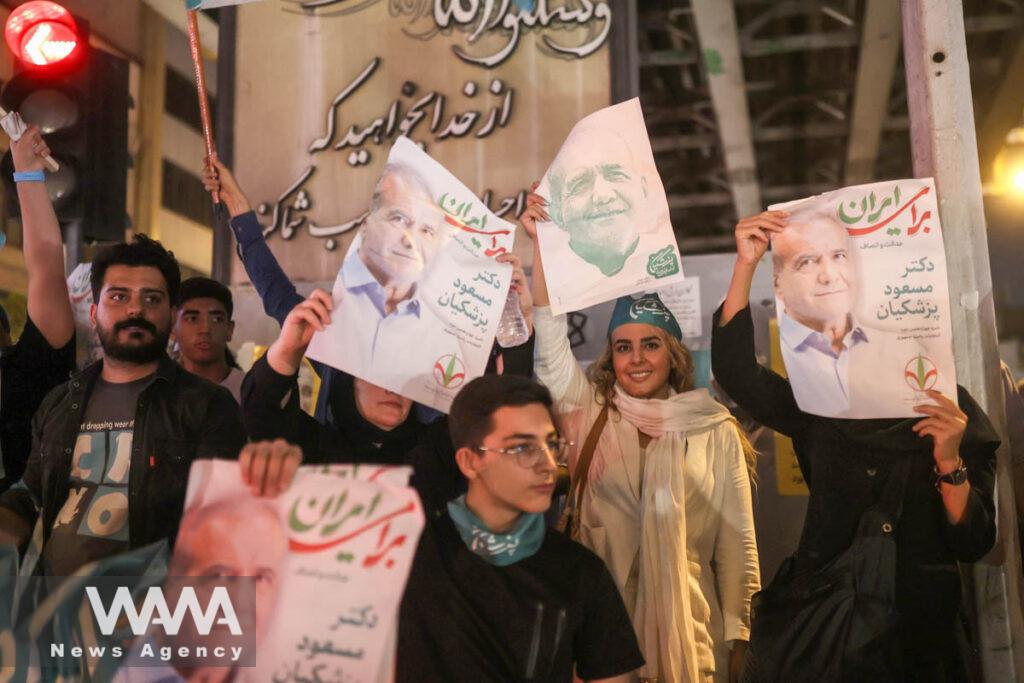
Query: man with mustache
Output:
(596,200)
(113,446)
(822,341)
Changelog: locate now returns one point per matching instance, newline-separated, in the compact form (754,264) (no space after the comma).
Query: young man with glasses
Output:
(494,596)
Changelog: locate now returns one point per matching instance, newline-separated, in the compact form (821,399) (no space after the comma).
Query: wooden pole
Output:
(223,239)
(204,102)
(945,147)
(148,181)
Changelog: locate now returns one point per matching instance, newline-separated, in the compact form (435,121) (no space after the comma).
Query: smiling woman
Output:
(660,484)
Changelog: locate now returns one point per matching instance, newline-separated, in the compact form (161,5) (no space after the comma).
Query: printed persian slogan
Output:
(419,295)
(863,300)
(610,233)
(341,538)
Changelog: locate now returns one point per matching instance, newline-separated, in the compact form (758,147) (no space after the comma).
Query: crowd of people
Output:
(653,571)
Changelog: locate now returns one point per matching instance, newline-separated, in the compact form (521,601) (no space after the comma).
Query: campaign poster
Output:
(610,234)
(863,300)
(330,558)
(419,295)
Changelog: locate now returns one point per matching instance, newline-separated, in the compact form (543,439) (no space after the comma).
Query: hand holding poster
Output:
(341,539)
(863,301)
(610,233)
(418,298)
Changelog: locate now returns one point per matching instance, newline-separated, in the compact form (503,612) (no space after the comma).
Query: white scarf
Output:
(663,617)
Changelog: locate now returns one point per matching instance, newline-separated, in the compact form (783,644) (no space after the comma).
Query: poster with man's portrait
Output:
(863,301)
(341,538)
(609,233)
(87,343)
(419,295)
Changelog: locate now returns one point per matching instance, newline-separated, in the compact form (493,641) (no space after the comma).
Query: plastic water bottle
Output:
(512,330)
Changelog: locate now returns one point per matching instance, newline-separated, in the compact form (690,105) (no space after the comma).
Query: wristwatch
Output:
(955,478)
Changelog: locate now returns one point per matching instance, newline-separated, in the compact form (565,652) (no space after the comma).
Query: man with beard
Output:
(113,446)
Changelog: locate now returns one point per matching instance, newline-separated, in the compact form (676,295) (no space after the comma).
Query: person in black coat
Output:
(370,424)
(948,512)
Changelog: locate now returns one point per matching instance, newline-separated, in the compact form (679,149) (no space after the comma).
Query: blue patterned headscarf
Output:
(646,309)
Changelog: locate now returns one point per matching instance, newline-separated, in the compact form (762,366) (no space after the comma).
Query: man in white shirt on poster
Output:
(378,296)
(833,362)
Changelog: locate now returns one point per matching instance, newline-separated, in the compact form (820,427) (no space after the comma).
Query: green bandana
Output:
(500,550)
(647,309)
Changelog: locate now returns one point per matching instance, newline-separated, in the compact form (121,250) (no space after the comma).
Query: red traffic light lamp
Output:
(43,35)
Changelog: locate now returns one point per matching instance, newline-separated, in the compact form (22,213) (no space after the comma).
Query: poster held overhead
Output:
(419,295)
(863,300)
(610,232)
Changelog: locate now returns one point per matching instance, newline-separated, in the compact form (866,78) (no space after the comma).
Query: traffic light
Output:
(78,96)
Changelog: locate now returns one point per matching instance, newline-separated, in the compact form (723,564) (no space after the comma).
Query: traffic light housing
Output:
(78,96)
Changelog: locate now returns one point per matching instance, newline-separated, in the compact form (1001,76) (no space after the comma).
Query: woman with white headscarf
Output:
(663,486)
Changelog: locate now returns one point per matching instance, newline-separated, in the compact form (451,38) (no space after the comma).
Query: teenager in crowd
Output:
(664,491)
(493,595)
(112,447)
(202,330)
(946,459)
(44,355)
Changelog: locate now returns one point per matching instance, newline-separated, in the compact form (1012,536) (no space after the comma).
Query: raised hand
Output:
(218,178)
(29,150)
(312,315)
(308,317)
(753,235)
(535,211)
(946,424)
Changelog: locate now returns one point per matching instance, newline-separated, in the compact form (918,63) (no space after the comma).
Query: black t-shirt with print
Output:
(463,619)
(93,524)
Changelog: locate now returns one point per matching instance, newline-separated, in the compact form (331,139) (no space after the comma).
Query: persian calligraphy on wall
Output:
(325,87)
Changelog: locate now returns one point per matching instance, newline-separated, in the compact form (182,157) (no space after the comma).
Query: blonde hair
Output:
(601,374)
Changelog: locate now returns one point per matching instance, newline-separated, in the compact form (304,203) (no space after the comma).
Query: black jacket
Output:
(179,418)
(271,410)
(847,464)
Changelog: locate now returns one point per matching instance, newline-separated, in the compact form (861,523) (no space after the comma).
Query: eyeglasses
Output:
(530,454)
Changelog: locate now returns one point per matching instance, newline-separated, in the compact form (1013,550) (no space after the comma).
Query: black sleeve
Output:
(25,498)
(38,359)
(519,359)
(605,645)
(974,536)
(33,370)
(759,391)
(222,434)
(270,410)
